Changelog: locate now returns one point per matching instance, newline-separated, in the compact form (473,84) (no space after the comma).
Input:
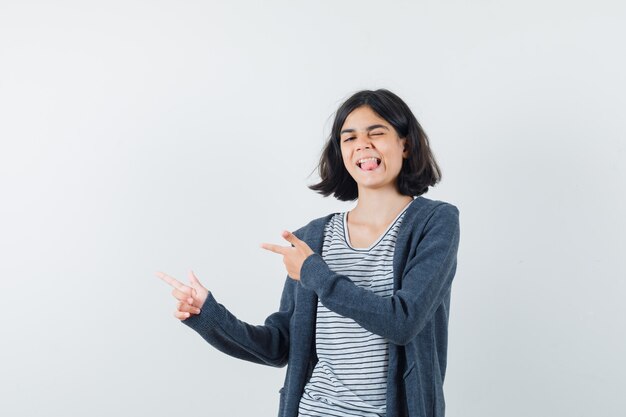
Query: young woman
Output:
(363,318)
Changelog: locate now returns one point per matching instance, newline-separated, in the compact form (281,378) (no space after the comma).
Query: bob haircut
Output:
(419,171)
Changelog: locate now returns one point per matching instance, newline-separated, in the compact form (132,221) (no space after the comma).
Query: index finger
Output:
(274,248)
(170,280)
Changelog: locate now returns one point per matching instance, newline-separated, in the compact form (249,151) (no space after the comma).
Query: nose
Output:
(362,140)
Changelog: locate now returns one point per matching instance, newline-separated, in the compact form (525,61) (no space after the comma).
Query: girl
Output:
(363,318)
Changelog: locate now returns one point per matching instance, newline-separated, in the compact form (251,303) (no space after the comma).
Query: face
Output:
(364,134)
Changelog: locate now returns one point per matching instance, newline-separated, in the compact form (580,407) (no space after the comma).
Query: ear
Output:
(405,151)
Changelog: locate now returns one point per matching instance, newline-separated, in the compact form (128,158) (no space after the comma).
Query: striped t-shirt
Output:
(350,378)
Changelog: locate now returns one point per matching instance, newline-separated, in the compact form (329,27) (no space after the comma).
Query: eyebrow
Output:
(369,128)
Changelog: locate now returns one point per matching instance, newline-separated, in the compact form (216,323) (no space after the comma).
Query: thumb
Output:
(194,280)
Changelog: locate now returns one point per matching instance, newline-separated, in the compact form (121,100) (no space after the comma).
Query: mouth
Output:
(369,164)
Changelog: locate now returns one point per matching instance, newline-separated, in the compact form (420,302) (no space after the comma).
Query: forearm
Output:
(265,344)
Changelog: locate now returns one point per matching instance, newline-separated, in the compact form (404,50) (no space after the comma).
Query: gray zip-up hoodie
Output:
(414,319)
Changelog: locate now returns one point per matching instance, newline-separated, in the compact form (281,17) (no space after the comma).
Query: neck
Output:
(378,206)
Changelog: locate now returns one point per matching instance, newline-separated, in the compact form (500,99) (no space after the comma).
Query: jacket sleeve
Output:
(266,344)
(426,279)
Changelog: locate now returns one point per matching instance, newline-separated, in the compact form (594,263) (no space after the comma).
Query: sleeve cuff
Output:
(211,314)
(315,273)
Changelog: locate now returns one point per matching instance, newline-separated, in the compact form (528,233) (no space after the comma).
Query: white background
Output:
(144,136)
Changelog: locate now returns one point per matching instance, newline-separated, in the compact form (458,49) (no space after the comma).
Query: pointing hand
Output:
(293,257)
(190,298)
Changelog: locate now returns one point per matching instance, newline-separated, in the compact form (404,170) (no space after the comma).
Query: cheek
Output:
(345,158)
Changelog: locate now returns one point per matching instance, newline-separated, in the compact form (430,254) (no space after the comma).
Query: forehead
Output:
(361,117)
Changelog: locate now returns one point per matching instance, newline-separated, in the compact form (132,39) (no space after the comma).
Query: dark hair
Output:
(419,171)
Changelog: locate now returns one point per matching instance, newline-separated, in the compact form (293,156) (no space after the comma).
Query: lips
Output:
(366,159)
(368,164)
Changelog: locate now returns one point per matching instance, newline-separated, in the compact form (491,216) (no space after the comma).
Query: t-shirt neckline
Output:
(380,238)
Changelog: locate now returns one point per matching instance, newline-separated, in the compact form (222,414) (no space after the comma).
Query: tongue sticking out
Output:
(369,165)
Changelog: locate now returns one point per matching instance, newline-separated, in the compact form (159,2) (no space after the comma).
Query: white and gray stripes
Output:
(350,378)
